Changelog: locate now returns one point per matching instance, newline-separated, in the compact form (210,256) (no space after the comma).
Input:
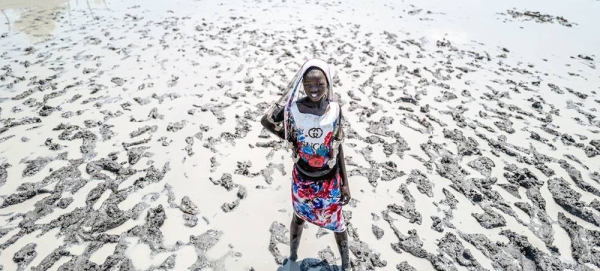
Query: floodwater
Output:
(478,24)
(465,21)
(37,18)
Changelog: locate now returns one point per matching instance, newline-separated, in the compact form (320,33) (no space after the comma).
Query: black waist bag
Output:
(323,175)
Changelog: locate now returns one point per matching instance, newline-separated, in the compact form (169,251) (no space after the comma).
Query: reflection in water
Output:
(39,18)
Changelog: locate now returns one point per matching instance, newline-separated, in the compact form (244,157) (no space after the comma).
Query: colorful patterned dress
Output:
(314,141)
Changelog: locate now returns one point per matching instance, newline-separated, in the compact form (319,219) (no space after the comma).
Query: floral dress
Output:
(314,141)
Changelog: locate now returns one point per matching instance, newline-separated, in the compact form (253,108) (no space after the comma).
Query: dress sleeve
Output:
(275,114)
(278,114)
(291,134)
(288,121)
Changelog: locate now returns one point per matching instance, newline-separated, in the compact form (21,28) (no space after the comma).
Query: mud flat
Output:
(130,134)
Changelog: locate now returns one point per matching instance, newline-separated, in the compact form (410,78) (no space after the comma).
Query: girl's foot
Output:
(292,258)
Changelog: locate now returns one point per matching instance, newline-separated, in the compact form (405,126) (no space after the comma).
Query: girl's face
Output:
(315,84)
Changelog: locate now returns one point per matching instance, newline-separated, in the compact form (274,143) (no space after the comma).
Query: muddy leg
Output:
(296,228)
(341,238)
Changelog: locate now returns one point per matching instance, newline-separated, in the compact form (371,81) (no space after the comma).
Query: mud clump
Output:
(409,210)
(64,202)
(570,201)
(142,130)
(88,143)
(190,210)
(423,184)
(539,17)
(25,255)
(583,240)
(226,181)
(365,258)
(483,165)
(52,258)
(47,110)
(411,244)
(490,219)
(466,145)
(279,234)
(437,224)
(577,178)
(202,243)
(188,207)
(404,266)
(174,127)
(377,231)
(450,246)
(228,207)
(4,173)
(521,177)
(190,220)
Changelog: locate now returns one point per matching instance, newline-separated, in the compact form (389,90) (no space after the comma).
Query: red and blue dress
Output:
(315,141)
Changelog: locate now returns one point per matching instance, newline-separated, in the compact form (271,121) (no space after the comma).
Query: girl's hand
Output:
(273,120)
(345,194)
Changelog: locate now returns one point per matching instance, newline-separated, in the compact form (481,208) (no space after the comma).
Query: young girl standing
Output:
(312,128)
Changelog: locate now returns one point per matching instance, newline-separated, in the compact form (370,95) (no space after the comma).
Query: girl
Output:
(312,128)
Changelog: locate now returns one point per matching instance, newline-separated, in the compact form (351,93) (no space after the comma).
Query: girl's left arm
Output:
(346,196)
(342,165)
(345,188)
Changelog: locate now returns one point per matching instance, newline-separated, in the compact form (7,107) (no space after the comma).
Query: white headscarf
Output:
(290,95)
(291,90)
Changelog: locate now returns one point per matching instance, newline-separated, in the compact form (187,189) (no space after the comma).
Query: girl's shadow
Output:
(308,264)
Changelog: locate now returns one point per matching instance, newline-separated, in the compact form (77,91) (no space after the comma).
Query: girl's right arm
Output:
(273,121)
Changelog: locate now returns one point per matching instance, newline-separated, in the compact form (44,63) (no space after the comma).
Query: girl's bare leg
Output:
(341,238)
(296,228)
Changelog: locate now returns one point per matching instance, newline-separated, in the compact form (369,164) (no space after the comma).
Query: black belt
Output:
(320,175)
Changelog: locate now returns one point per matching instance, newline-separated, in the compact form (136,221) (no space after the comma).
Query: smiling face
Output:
(315,84)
